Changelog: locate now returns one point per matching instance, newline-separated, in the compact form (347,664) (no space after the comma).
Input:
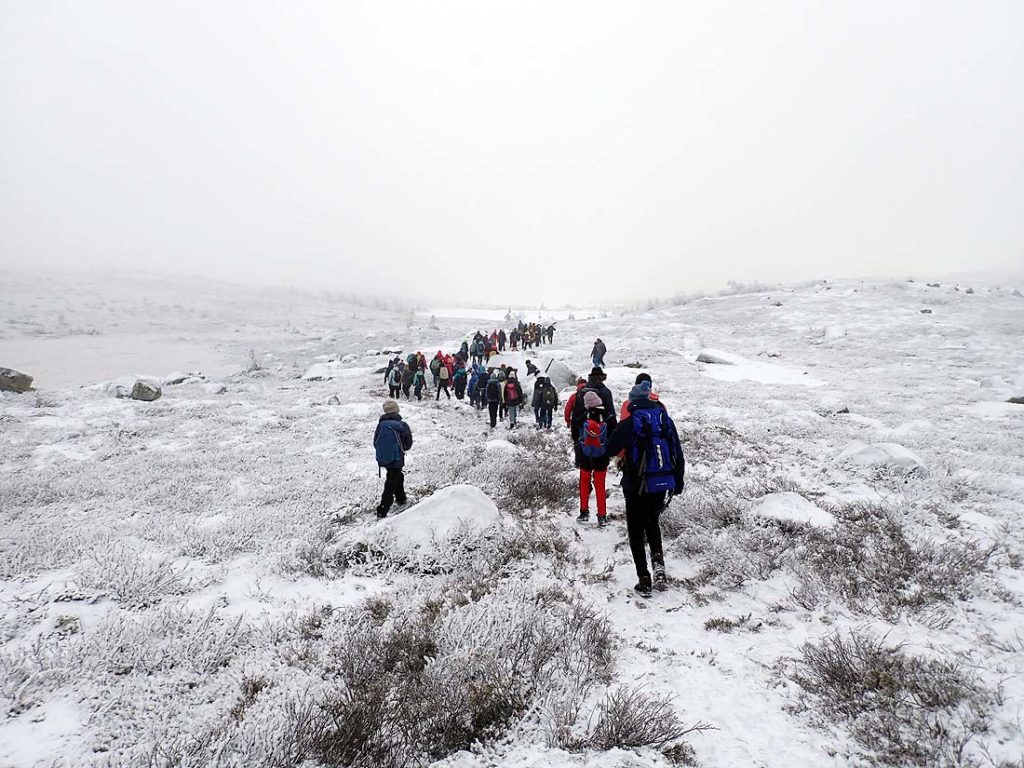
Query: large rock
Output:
(14,381)
(716,357)
(561,375)
(789,507)
(146,390)
(891,456)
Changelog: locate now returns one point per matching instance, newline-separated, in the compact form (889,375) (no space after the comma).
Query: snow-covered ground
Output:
(193,581)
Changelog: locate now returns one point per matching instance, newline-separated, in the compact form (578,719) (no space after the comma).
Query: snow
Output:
(789,507)
(236,512)
(889,455)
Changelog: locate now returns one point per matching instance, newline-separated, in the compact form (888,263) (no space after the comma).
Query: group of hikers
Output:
(640,437)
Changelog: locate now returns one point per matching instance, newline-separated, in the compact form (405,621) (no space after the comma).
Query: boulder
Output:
(715,357)
(215,388)
(457,510)
(14,381)
(180,377)
(884,456)
(1016,400)
(145,390)
(926,311)
(789,507)
(334,400)
(561,375)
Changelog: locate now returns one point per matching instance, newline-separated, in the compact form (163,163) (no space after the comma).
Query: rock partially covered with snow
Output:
(791,507)
(561,375)
(182,377)
(882,455)
(215,388)
(14,381)
(146,390)
(455,511)
(716,357)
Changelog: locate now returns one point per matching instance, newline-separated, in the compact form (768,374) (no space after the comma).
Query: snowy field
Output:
(201,580)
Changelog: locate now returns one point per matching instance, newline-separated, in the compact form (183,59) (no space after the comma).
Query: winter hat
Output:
(641,377)
(390,406)
(596,371)
(641,391)
(592,400)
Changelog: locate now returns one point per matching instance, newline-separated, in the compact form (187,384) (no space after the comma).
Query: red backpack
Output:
(594,438)
(510,391)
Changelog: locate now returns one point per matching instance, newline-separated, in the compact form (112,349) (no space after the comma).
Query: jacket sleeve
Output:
(376,434)
(406,435)
(567,414)
(620,437)
(677,446)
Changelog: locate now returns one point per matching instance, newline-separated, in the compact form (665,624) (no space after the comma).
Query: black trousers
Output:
(394,490)
(443,385)
(643,511)
(393,391)
(493,409)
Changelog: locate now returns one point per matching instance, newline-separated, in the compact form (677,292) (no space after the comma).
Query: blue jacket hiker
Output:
(391,440)
(653,470)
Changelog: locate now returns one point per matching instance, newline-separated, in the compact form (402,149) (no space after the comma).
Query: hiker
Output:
(513,340)
(443,380)
(653,471)
(464,350)
(435,367)
(419,380)
(493,396)
(395,380)
(594,456)
(407,376)
(549,401)
(481,389)
(391,440)
(531,369)
(598,353)
(551,334)
(570,406)
(512,395)
(537,400)
(595,383)
(502,338)
(391,366)
(460,379)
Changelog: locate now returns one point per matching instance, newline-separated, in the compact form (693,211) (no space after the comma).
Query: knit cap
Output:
(640,391)
(390,406)
(592,400)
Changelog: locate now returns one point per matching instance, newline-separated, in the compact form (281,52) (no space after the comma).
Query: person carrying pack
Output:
(443,380)
(418,382)
(653,472)
(598,352)
(395,381)
(594,457)
(460,379)
(549,401)
(407,377)
(512,395)
(493,395)
(595,383)
(435,367)
(537,399)
(391,440)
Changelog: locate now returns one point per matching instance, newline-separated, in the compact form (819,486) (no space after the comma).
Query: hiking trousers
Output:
(493,409)
(643,513)
(393,391)
(513,414)
(547,413)
(443,386)
(394,490)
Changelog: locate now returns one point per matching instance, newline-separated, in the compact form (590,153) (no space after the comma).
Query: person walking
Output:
(653,471)
(493,396)
(419,380)
(594,457)
(598,352)
(652,396)
(537,400)
(391,439)
(513,396)
(460,378)
(407,376)
(549,401)
(443,380)
(395,381)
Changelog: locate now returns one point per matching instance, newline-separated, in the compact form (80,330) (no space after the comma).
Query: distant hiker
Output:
(653,471)
(595,383)
(551,334)
(443,382)
(460,379)
(549,401)
(512,395)
(391,440)
(391,366)
(435,367)
(598,353)
(502,338)
(419,380)
(493,396)
(594,456)
(513,340)
(395,380)
(481,389)
(464,350)
(408,374)
(531,369)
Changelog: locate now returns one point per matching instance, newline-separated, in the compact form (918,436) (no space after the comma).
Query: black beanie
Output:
(642,377)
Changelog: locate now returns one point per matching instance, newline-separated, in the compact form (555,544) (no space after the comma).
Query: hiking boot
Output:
(660,580)
(584,516)
(381,513)
(602,521)
(643,587)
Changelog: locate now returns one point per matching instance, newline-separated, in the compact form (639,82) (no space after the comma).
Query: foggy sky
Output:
(528,151)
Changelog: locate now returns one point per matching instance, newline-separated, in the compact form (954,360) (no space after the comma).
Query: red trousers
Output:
(599,490)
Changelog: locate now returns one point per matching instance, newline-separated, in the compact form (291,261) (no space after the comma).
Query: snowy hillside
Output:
(201,580)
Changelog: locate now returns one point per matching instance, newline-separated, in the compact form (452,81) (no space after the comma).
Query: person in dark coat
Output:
(643,510)
(391,440)
(492,393)
(407,376)
(595,383)
(598,353)
(594,469)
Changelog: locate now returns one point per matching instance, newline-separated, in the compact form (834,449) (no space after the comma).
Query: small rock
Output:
(380,371)
(634,365)
(934,285)
(215,388)
(146,391)
(14,381)
(334,400)
(1016,400)
(969,290)
(776,303)
(180,377)
(926,311)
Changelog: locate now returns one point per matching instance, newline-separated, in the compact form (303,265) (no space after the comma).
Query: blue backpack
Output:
(388,445)
(652,453)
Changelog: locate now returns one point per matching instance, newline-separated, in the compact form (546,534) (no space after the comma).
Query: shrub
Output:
(632,717)
(906,709)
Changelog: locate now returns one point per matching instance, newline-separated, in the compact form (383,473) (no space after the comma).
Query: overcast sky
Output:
(527,151)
